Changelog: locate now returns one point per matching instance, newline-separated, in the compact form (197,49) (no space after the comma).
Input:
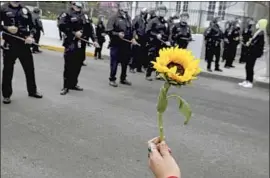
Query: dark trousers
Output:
(37,38)
(73,64)
(182,44)
(119,54)
(23,52)
(244,54)
(139,56)
(231,48)
(98,50)
(152,54)
(225,52)
(250,63)
(210,53)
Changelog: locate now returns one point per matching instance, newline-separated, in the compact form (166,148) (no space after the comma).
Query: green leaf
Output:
(162,100)
(185,109)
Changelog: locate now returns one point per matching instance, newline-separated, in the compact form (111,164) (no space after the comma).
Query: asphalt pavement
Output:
(102,132)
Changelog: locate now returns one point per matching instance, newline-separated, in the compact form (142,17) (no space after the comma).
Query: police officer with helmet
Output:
(16,21)
(75,24)
(139,52)
(233,39)
(213,36)
(119,29)
(39,28)
(181,32)
(158,33)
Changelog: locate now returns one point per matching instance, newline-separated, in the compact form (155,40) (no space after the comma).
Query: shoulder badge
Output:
(24,10)
(64,15)
(166,25)
(86,16)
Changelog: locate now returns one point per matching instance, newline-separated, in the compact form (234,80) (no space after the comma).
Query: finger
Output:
(155,140)
(164,149)
(153,152)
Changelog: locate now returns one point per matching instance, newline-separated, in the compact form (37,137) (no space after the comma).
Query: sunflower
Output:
(177,65)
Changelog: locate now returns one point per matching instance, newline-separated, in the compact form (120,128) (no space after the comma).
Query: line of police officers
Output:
(145,35)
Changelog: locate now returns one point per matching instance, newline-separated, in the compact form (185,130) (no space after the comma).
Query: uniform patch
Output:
(24,10)
(64,15)
(86,16)
(166,25)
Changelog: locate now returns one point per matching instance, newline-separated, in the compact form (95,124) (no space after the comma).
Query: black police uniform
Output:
(158,25)
(226,42)
(139,52)
(14,48)
(181,34)
(120,50)
(100,30)
(39,28)
(233,36)
(86,36)
(59,31)
(246,36)
(213,36)
(70,22)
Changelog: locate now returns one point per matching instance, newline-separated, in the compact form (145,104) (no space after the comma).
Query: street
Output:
(103,131)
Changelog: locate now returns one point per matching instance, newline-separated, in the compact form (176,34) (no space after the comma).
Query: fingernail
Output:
(170,151)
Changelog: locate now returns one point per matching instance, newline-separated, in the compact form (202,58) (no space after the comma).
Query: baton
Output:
(130,41)
(164,42)
(17,37)
(187,39)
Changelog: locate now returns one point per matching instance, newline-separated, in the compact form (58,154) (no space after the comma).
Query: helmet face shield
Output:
(123,6)
(161,12)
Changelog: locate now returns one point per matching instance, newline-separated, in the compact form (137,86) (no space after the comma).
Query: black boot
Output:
(77,88)
(35,95)
(113,84)
(125,82)
(64,91)
(6,101)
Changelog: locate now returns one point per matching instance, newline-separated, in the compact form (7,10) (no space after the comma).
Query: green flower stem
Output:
(160,125)
(161,107)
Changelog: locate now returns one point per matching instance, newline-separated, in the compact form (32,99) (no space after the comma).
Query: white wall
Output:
(50,28)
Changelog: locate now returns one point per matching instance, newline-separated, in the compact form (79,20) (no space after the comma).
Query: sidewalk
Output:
(235,74)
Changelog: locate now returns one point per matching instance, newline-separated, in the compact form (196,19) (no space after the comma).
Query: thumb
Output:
(164,149)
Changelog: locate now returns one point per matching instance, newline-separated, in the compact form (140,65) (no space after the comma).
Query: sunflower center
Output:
(180,68)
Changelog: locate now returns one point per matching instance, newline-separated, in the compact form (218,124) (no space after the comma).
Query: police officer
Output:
(213,36)
(246,36)
(17,21)
(181,32)
(158,33)
(232,38)
(75,24)
(101,33)
(228,25)
(139,52)
(39,28)
(119,28)
(92,26)
(59,31)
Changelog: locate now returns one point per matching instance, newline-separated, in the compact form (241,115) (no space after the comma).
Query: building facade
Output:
(201,13)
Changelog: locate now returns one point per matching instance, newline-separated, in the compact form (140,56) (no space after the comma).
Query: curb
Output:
(233,79)
(61,49)
(203,73)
